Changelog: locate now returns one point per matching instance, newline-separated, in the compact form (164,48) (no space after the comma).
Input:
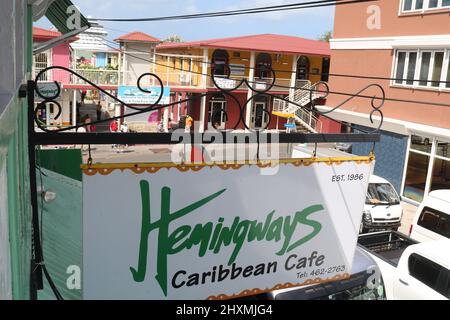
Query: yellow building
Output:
(287,62)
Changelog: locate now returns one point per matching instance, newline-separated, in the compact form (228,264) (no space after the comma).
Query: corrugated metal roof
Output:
(137,36)
(261,42)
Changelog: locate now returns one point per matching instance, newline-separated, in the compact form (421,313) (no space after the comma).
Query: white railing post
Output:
(154,65)
(205,68)
(168,71)
(190,74)
(293,76)
(251,77)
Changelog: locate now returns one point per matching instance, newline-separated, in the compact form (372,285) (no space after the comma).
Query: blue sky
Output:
(308,23)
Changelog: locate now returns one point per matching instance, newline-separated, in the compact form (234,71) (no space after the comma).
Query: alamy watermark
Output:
(219,148)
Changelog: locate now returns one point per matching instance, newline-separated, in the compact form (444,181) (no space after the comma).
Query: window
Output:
(220,63)
(417,169)
(41,61)
(263,66)
(447,289)
(302,68)
(426,271)
(422,68)
(435,221)
(424,5)
(381,193)
(355,288)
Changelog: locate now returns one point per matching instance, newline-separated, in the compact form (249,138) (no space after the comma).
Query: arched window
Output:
(263,65)
(219,60)
(302,68)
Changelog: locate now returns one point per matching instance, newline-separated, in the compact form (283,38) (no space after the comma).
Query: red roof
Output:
(137,36)
(261,42)
(41,33)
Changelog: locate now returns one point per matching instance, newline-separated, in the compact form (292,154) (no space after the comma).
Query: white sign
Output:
(133,95)
(217,232)
(48,90)
(224,83)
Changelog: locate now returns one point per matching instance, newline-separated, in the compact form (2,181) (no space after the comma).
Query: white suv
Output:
(432,220)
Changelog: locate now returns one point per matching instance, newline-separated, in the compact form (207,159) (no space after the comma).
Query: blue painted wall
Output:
(390,155)
(100,59)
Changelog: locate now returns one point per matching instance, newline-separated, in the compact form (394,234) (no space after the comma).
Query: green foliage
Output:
(326,36)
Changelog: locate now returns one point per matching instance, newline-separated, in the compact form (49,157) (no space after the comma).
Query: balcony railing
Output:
(260,84)
(97,76)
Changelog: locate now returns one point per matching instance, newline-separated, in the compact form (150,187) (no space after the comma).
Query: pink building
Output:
(56,56)
(406,45)
(59,55)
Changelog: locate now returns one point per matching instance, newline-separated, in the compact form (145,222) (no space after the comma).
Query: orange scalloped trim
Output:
(279,286)
(107,168)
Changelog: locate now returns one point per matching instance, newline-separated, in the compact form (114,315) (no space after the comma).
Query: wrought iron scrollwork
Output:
(224,85)
(375,108)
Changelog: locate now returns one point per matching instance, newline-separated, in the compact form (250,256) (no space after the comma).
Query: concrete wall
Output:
(61,57)
(379,63)
(15,213)
(351,21)
(5,259)
(136,62)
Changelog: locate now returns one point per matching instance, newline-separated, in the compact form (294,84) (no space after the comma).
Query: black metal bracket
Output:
(23,91)
(63,138)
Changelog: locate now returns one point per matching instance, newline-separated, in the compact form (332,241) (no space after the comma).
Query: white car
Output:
(410,270)
(382,209)
(432,220)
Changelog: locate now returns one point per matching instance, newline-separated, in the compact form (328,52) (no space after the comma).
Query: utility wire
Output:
(41,244)
(292,6)
(295,88)
(310,73)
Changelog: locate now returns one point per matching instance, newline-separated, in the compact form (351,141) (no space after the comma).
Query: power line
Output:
(312,73)
(295,88)
(292,6)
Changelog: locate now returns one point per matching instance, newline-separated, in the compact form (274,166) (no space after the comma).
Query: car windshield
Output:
(381,193)
(358,287)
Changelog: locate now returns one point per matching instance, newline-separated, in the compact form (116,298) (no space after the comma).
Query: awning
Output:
(58,16)
(59,13)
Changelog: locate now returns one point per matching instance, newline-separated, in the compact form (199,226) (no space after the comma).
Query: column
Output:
(430,167)
(205,68)
(251,78)
(154,65)
(74,108)
(201,127)
(166,119)
(168,71)
(119,67)
(293,75)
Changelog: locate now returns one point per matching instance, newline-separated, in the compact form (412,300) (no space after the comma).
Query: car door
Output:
(419,278)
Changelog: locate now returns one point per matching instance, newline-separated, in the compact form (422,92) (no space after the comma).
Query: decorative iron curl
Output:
(243,81)
(227,92)
(252,85)
(52,99)
(375,108)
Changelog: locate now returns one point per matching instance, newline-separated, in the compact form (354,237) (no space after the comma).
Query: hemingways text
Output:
(213,236)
